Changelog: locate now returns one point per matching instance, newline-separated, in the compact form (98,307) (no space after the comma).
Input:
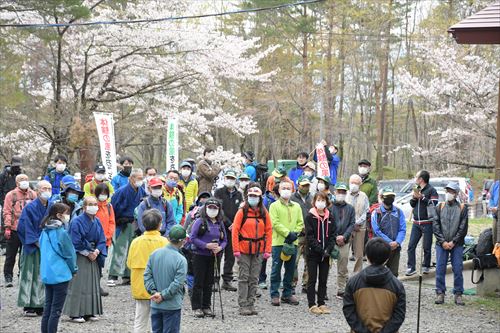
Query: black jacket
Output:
(451,223)
(320,238)
(429,195)
(374,301)
(7,183)
(231,202)
(345,217)
(305,206)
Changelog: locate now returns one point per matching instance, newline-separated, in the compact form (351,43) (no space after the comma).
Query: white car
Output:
(439,183)
(404,202)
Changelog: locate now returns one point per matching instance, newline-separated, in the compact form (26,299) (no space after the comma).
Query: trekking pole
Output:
(220,292)
(213,289)
(420,285)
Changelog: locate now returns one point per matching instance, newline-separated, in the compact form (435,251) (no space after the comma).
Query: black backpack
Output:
(485,242)
(262,174)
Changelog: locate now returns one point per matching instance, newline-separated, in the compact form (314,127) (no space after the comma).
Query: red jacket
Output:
(256,227)
(13,205)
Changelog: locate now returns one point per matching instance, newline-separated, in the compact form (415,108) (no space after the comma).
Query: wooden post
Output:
(496,223)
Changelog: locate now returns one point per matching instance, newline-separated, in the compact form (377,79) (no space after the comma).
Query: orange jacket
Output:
(271,182)
(106,215)
(263,230)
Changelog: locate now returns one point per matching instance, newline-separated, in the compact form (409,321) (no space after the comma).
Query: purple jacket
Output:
(213,232)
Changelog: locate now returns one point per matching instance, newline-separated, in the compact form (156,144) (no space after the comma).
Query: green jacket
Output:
(369,187)
(286,218)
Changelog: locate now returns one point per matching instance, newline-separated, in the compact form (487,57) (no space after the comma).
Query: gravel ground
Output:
(119,314)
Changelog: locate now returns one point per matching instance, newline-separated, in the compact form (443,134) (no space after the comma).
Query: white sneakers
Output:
(111,283)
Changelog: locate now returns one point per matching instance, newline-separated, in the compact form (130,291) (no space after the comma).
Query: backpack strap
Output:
(14,200)
(109,209)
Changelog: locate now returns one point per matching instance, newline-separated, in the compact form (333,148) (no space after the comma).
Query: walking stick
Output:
(220,292)
(420,285)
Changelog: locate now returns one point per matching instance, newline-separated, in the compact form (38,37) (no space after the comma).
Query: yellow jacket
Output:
(138,255)
(89,188)
(190,191)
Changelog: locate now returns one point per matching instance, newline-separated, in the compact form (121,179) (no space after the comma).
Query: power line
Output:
(163,19)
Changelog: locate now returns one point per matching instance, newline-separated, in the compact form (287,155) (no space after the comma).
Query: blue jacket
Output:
(251,171)
(125,200)
(494,194)
(28,228)
(391,227)
(88,235)
(166,273)
(268,199)
(54,178)
(119,181)
(295,173)
(57,254)
(151,202)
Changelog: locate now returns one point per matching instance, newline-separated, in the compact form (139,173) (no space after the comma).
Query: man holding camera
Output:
(425,199)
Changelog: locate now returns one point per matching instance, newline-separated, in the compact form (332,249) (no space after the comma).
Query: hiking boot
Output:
(125,281)
(459,300)
(315,310)
(352,258)
(304,289)
(198,313)
(254,311)
(364,258)
(8,282)
(275,301)
(245,312)
(215,287)
(208,312)
(292,300)
(29,313)
(426,270)
(228,286)
(325,310)
(263,285)
(439,299)
(326,298)
(258,294)
(104,293)
(410,272)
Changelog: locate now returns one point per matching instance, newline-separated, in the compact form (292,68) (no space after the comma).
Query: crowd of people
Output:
(188,228)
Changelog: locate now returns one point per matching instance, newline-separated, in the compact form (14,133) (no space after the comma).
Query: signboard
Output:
(323,169)
(172,144)
(105,131)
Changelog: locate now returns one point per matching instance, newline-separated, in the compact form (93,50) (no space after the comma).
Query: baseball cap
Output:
(303,180)
(453,186)
(230,173)
(387,191)
(99,168)
(16,160)
(325,179)
(177,233)
(364,161)
(279,172)
(341,186)
(155,181)
(244,176)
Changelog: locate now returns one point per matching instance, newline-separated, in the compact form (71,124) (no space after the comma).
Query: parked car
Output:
(404,202)
(466,192)
(396,184)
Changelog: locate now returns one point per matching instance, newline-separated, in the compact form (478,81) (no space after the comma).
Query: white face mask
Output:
(354,188)
(286,194)
(185,173)
(321,187)
(449,196)
(45,195)
(102,197)
(212,212)
(23,185)
(363,171)
(60,167)
(320,204)
(229,182)
(244,184)
(340,197)
(99,177)
(139,183)
(92,210)
(65,218)
(308,173)
(157,192)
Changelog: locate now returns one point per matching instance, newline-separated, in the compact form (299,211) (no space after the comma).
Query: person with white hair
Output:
(359,200)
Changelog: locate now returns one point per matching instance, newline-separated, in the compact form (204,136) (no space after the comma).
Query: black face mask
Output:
(126,171)
(388,201)
(16,170)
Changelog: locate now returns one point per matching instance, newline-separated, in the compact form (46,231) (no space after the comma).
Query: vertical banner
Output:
(172,144)
(105,131)
(323,169)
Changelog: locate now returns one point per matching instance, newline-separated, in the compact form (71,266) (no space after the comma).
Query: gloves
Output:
(7,233)
(237,254)
(292,237)
(267,255)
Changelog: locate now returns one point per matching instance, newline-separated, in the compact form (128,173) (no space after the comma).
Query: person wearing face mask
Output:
(243,181)
(388,222)
(251,239)
(84,301)
(31,292)
(155,201)
(207,171)
(99,178)
(368,184)
(173,194)
(323,185)
(121,178)
(332,158)
(209,238)
(299,169)
(450,229)
(345,217)
(71,196)
(55,174)
(320,229)
(359,201)
(57,264)
(124,202)
(288,222)
(278,175)
(8,177)
(190,184)
(14,203)
(304,199)
(231,200)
